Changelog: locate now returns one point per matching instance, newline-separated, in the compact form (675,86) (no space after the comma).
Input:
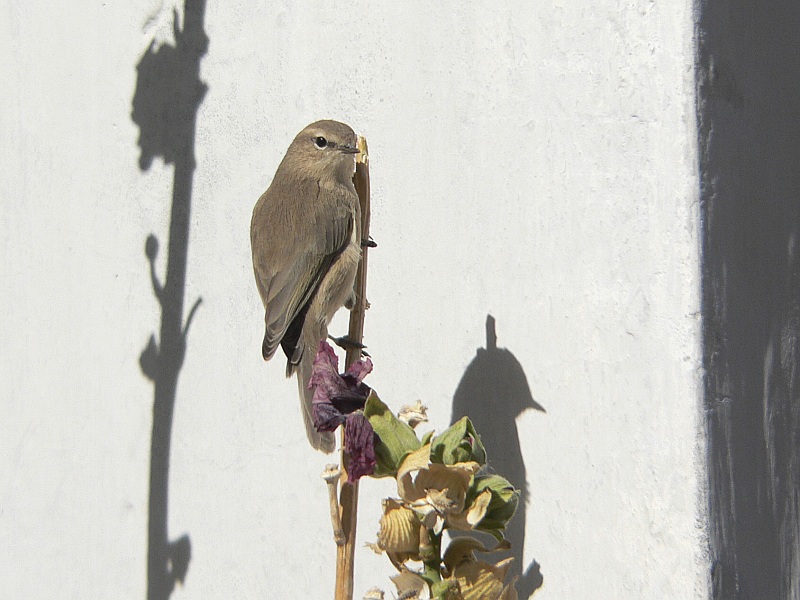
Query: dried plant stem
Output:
(432,556)
(348,498)
(331,475)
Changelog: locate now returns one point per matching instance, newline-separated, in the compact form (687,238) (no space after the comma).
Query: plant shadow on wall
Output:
(493,392)
(168,93)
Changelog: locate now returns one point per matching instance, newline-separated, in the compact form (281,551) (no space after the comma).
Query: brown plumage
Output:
(306,240)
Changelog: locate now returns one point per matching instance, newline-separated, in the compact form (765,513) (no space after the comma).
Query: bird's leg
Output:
(351,301)
(346,343)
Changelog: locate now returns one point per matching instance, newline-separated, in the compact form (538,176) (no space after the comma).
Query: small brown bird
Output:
(306,240)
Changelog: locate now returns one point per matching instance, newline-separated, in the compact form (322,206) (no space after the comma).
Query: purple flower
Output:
(336,400)
(359,444)
(336,395)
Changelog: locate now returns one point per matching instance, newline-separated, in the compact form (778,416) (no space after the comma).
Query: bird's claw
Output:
(369,243)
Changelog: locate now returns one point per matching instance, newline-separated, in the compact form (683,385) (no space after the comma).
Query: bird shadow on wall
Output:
(493,392)
(168,94)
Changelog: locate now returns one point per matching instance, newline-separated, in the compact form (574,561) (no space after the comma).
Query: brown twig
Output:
(348,498)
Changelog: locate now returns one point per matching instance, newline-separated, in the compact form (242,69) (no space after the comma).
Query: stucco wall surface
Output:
(535,161)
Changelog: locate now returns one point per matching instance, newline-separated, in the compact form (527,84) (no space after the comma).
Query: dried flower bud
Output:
(414,414)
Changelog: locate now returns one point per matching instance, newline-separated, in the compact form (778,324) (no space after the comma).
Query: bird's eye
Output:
(320,142)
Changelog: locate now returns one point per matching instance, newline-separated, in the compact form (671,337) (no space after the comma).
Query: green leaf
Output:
(502,506)
(459,443)
(427,438)
(396,439)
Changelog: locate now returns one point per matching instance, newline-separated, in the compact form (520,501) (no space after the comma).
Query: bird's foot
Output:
(369,243)
(346,343)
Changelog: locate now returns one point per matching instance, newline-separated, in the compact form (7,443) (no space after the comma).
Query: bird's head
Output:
(325,149)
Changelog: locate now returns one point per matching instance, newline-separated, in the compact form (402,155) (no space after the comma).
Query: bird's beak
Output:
(348,150)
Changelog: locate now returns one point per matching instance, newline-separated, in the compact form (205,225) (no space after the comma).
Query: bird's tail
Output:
(323,441)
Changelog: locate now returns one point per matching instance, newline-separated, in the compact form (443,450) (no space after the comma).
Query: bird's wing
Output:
(322,232)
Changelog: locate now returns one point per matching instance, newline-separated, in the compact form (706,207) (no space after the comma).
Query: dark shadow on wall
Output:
(749,134)
(168,93)
(493,392)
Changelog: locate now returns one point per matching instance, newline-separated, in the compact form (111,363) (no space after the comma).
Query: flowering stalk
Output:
(345,553)
(442,482)
(432,558)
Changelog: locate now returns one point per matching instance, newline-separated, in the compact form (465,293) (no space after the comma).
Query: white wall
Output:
(535,161)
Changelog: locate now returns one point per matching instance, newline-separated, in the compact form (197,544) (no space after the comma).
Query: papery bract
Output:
(435,491)
(480,580)
(399,529)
